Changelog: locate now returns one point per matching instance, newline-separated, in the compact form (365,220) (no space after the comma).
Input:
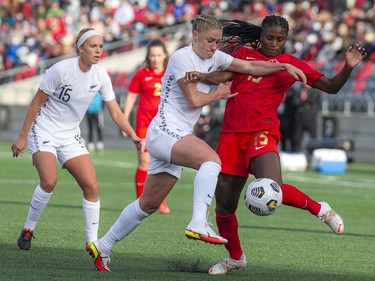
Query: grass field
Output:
(289,245)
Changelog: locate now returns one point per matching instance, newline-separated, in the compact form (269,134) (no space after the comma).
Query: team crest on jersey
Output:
(273,60)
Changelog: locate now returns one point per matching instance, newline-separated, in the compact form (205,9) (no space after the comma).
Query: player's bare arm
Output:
(212,78)
(196,98)
(19,145)
(263,68)
(353,56)
(122,122)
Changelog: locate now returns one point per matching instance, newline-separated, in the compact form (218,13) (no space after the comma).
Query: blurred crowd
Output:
(35,30)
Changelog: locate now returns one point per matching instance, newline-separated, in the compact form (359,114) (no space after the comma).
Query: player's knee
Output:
(148,206)
(48,185)
(216,159)
(90,190)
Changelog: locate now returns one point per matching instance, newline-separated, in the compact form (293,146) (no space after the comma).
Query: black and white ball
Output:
(263,196)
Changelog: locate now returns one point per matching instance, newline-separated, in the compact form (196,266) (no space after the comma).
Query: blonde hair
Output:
(205,22)
(84,30)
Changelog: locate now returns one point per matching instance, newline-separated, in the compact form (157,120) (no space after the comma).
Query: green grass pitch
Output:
(288,245)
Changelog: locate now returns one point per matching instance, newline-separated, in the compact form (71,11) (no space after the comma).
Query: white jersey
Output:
(70,93)
(174,111)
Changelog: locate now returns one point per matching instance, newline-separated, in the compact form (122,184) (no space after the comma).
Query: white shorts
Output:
(39,140)
(159,143)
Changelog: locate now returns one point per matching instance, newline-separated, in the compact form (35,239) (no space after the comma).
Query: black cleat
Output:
(24,241)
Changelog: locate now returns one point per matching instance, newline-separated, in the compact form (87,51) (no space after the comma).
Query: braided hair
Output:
(274,20)
(237,33)
(204,22)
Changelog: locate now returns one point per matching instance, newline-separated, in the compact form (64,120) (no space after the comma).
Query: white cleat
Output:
(331,218)
(226,266)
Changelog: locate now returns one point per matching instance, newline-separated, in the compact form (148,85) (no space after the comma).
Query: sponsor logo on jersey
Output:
(259,147)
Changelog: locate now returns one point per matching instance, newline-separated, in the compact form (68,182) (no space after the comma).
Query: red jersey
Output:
(255,107)
(147,84)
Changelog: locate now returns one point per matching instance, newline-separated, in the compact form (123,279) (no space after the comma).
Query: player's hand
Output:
(354,55)
(224,93)
(18,147)
(297,74)
(194,76)
(139,143)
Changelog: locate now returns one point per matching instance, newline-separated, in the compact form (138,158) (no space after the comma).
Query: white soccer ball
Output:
(263,196)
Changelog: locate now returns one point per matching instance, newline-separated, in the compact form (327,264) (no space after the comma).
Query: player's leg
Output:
(45,164)
(141,172)
(292,196)
(192,152)
(156,189)
(228,192)
(82,169)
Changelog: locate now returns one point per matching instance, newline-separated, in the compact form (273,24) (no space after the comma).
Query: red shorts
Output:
(237,149)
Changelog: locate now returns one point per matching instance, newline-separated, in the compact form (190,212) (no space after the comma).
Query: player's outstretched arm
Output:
(212,78)
(353,56)
(263,68)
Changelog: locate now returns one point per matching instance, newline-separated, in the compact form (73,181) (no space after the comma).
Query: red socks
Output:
(296,198)
(228,228)
(228,225)
(140,178)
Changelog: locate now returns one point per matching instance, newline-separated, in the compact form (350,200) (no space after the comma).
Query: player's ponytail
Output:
(237,33)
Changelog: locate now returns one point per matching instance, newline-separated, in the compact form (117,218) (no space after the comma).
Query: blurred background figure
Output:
(146,83)
(299,115)
(95,122)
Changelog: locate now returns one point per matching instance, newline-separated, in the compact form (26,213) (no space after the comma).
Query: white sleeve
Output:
(223,60)
(51,80)
(106,89)
(180,63)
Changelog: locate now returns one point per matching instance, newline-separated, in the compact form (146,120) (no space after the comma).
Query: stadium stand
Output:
(35,34)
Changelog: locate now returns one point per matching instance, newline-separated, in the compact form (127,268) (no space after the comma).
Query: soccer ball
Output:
(263,196)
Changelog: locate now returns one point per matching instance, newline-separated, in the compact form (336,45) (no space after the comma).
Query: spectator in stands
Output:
(336,29)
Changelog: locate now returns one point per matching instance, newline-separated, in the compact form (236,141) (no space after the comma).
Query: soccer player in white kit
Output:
(171,143)
(51,130)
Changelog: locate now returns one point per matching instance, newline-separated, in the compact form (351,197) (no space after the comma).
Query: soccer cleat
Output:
(206,234)
(164,209)
(100,261)
(331,218)
(226,266)
(24,241)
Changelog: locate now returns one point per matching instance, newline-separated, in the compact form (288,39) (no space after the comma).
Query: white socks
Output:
(204,189)
(129,219)
(91,211)
(38,202)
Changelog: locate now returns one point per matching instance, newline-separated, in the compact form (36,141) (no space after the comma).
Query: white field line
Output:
(332,181)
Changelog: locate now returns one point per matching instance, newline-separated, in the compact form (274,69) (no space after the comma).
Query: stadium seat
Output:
(361,78)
